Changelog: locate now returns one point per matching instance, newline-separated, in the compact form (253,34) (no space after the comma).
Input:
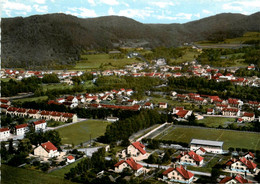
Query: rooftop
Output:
(206,142)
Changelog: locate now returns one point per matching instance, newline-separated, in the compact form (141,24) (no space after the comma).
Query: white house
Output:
(21,129)
(178,175)
(137,151)
(130,164)
(46,149)
(162,105)
(70,159)
(248,117)
(40,125)
(190,158)
(232,180)
(241,165)
(4,133)
(209,146)
(201,151)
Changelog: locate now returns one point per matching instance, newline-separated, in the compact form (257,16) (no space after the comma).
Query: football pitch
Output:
(235,139)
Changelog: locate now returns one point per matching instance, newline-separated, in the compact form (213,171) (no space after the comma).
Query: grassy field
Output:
(102,61)
(14,175)
(234,139)
(60,172)
(30,99)
(80,132)
(56,86)
(216,121)
(190,55)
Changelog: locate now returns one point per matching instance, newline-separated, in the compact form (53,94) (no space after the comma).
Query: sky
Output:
(145,11)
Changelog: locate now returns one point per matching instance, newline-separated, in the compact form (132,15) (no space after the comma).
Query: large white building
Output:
(21,129)
(209,146)
(4,133)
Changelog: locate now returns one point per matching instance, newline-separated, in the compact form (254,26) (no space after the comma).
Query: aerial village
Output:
(150,153)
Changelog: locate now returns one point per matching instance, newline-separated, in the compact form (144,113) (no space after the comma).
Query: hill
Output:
(58,39)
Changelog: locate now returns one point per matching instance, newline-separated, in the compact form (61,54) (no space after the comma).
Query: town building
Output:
(40,125)
(178,174)
(70,159)
(21,129)
(209,146)
(137,151)
(47,150)
(190,158)
(237,179)
(241,165)
(4,133)
(131,164)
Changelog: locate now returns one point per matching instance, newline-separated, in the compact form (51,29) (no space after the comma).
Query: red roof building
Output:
(48,146)
(131,163)
(238,179)
(140,147)
(186,175)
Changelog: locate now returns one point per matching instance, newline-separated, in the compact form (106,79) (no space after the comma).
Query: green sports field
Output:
(236,139)
(81,132)
(14,175)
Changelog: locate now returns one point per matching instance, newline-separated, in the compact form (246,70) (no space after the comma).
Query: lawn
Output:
(190,55)
(56,86)
(31,99)
(102,61)
(236,139)
(14,175)
(216,121)
(81,132)
(61,172)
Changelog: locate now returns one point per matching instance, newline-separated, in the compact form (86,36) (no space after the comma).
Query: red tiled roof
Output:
(48,146)
(248,163)
(45,112)
(68,115)
(231,161)
(32,111)
(195,156)
(4,106)
(21,126)
(168,171)
(130,161)
(202,149)
(12,109)
(185,174)
(4,129)
(39,122)
(70,157)
(251,154)
(182,113)
(230,109)
(56,113)
(238,177)
(139,146)
(232,101)
(209,110)
(4,101)
(21,110)
(247,114)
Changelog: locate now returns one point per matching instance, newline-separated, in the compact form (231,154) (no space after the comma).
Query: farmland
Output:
(81,132)
(102,61)
(236,139)
(13,175)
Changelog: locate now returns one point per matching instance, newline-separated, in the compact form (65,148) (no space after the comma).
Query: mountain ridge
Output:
(60,38)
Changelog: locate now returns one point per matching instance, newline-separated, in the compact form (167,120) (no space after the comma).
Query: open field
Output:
(236,139)
(60,172)
(216,121)
(190,55)
(31,99)
(102,61)
(14,175)
(56,86)
(81,132)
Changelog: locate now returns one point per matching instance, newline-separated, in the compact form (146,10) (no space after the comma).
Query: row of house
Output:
(38,114)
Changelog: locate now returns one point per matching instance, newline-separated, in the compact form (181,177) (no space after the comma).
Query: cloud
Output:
(9,7)
(163,17)
(39,1)
(139,13)
(92,2)
(197,15)
(111,11)
(41,9)
(230,6)
(162,4)
(184,16)
(82,12)
(206,11)
(110,2)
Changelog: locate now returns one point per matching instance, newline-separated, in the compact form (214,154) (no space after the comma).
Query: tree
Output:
(11,147)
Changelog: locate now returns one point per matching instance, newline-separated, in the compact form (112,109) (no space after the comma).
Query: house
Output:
(4,133)
(237,179)
(241,165)
(72,99)
(163,105)
(70,159)
(40,125)
(69,116)
(4,101)
(178,174)
(32,113)
(129,92)
(209,146)
(201,151)
(190,158)
(137,151)
(21,129)
(248,117)
(130,164)
(181,113)
(148,105)
(47,150)
(21,112)
(231,112)
(249,156)
(210,111)
(112,119)
(11,110)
